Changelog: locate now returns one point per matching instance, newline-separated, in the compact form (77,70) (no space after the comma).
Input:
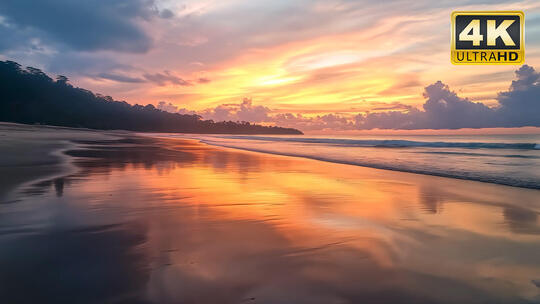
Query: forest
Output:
(30,96)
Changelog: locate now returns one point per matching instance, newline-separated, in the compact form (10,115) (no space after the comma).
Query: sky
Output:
(315,65)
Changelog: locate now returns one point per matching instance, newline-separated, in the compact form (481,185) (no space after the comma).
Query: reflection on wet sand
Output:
(174,221)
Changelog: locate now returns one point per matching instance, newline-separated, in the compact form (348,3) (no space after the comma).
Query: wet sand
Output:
(30,152)
(144,220)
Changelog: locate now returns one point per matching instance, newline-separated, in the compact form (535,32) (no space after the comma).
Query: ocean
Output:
(512,160)
(132,219)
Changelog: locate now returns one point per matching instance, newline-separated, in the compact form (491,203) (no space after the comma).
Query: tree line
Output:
(30,96)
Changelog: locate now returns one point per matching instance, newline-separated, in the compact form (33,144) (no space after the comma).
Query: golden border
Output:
(509,13)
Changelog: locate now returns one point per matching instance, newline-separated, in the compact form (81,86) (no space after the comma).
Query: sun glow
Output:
(361,64)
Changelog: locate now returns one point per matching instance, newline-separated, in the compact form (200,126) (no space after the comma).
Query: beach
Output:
(114,217)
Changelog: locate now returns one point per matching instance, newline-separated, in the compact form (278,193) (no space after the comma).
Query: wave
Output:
(480,154)
(497,161)
(471,175)
(391,143)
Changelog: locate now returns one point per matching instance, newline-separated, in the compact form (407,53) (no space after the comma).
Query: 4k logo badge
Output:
(488,37)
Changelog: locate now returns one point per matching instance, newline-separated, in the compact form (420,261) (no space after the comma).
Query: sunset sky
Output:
(280,58)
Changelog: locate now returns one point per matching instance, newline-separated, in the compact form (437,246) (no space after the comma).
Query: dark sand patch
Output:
(32,152)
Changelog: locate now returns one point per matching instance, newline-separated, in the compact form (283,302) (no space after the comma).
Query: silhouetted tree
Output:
(61,79)
(30,96)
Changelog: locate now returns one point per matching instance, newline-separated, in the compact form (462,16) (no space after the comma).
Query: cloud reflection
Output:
(174,221)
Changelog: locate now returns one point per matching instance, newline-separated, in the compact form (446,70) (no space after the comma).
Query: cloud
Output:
(120,78)
(520,105)
(244,111)
(319,122)
(249,112)
(165,78)
(399,87)
(203,80)
(186,111)
(380,106)
(442,109)
(82,25)
(166,14)
(81,63)
(329,51)
(160,79)
(11,39)
(167,107)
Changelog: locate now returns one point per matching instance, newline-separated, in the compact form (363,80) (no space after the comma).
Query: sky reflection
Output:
(174,221)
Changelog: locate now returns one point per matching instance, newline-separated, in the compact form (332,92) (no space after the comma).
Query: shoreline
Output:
(510,183)
(53,162)
(351,163)
(164,213)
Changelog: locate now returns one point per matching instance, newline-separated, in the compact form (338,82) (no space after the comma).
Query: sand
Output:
(145,220)
(31,152)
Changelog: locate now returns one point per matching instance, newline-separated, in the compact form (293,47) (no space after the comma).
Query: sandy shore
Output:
(29,153)
(148,220)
